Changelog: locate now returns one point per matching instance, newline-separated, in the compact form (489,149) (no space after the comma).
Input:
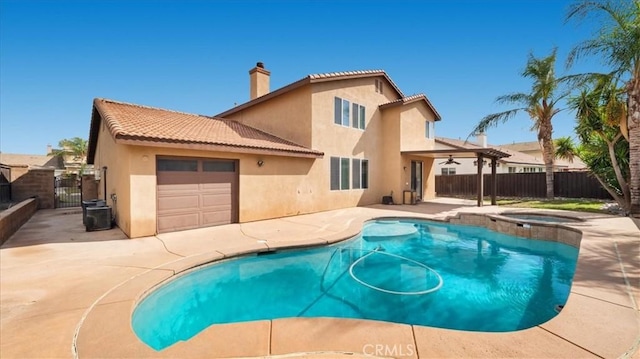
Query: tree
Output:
(76,147)
(603,147)
(539,104)
(617,42)
(565,149)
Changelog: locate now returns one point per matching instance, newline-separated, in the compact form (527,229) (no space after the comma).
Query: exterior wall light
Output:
(260,163)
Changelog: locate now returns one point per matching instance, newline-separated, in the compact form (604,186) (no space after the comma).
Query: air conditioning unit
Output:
(98,218)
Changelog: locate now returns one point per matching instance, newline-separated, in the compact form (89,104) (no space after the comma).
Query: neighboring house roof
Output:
(534,146)
(518,157)
(142,125)
(411,99)
(315,78)
(466,147)
(515,157)
(522,146)
(457,143)
(15,159)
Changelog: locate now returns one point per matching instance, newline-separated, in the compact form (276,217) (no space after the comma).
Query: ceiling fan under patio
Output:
(450,161)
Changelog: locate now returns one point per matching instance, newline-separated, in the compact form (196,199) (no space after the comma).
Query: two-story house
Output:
(325,142)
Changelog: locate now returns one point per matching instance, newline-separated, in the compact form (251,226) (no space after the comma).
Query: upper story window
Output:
(348,114)
(379,86)
(429,129)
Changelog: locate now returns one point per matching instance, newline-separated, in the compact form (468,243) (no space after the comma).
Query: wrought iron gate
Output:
(67,191)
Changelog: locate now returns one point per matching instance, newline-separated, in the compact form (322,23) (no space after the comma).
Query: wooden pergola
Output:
(480,153)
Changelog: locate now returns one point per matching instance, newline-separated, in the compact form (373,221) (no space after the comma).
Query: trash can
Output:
(91,203)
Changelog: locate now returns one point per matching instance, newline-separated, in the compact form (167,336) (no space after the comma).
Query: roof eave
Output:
(402,103)
(152,142)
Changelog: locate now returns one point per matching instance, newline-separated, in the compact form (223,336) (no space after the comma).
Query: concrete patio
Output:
(68,293)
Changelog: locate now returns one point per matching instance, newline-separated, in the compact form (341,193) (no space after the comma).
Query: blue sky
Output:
(194,56)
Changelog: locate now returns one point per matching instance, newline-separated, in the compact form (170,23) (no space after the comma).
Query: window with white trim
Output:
(429,129)
(346,113)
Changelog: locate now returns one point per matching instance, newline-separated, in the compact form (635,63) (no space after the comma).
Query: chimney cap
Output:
(260,64)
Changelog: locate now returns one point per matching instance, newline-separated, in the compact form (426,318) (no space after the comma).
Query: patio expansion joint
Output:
(604,300)
(570,342)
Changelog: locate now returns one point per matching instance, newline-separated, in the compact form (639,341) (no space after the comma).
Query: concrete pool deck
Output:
(65,292)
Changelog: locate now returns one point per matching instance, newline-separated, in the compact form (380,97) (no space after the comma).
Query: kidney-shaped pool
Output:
(404,271)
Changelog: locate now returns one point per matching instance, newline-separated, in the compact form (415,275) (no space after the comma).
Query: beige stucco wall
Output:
(287,116)
(116,159)
(413,127)
(341,141)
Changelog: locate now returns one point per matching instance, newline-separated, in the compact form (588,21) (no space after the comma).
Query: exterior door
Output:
(416,179)
(196,192)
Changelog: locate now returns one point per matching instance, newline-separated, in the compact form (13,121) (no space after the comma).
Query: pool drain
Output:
(368,285)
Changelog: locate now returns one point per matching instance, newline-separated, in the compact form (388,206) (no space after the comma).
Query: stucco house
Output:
(325,142)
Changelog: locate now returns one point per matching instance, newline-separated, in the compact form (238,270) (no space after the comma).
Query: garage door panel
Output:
(183,178)
(216,217)
(176,222)
(178,188)
(211,200)
(178,202)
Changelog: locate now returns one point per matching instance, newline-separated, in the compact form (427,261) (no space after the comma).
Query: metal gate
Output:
(67,191)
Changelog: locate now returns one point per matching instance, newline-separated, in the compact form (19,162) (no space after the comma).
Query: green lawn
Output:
(569,204)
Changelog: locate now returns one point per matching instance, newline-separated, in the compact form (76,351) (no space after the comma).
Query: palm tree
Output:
(618,43)
(76,147)
(565,148)
(603,147)
(539,104)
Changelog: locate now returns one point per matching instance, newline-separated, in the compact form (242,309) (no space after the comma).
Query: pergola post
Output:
(494,181)
(480,181)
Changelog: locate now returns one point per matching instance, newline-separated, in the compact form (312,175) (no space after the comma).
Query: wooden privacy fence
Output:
(566,184)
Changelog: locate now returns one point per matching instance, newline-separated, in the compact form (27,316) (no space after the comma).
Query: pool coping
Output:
(576,332)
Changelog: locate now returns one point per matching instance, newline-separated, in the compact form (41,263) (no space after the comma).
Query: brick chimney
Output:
(259,81)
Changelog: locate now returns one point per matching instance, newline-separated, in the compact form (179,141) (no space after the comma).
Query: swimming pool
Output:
(418,272)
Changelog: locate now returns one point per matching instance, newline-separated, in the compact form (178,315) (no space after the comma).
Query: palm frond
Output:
(514,98)
(493,120)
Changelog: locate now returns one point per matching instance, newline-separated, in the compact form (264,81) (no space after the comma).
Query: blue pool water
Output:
(440,275)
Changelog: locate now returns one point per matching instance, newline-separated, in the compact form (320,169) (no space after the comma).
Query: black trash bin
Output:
(91,203)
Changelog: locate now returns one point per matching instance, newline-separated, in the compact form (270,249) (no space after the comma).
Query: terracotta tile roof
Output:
(136,123)
(313,78)
(344,75)
(410,99)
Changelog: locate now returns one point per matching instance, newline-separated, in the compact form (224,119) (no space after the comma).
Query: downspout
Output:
(104,182)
